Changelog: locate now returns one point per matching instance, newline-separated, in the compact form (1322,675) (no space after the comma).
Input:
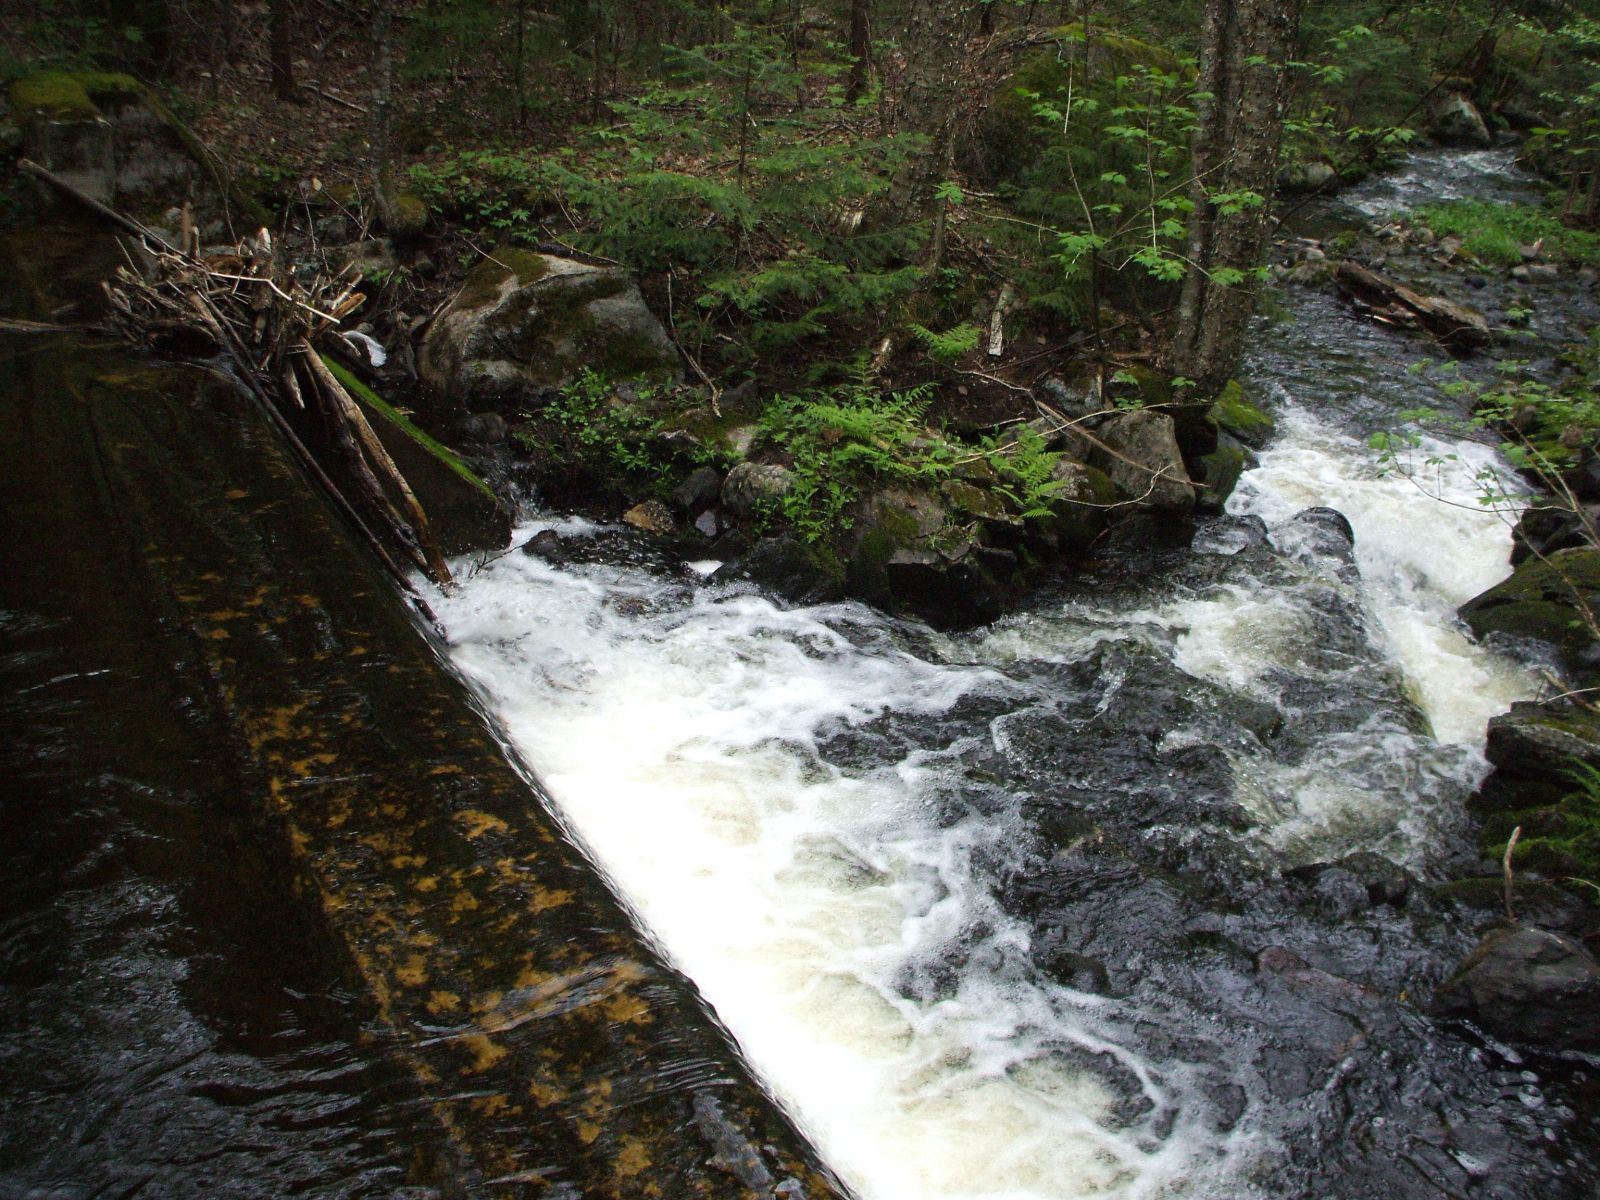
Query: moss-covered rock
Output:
(409,216)
(1233,413)
(1221,470)
(1552,600)
(1081,506)
(111,137)
(1533,749)
(524,325)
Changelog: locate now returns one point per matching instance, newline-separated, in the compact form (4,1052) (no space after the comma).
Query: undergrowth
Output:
(1496,233)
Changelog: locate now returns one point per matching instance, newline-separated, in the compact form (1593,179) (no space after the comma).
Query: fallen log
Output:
(1457,327)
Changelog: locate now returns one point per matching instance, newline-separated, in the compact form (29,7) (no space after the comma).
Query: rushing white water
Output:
(1425,545)
(677,725)
(842,913)
(680,743)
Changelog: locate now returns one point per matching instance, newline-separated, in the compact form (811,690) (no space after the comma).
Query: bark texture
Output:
(935,39)
(1243,93)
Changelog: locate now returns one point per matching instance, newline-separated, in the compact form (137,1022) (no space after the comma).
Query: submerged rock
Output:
(525,324)
(1528,985)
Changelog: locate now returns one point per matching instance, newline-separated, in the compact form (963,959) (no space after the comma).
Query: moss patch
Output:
(1233,413)
(1542,600)
(69,94)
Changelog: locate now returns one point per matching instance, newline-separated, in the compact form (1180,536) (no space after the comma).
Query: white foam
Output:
(1424,546)
(804,901)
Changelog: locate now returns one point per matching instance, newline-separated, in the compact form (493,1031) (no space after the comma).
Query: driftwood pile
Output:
(247,308)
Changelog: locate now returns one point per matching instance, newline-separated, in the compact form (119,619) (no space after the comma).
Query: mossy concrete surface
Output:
(553,1046)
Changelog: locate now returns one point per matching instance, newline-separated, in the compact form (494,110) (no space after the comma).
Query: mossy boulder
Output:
(1082,505)
(1533,749)
(1139,452)
(1551,600)
(111,137)
(409,215)
(1220,472)
(1233,413)
(524,325)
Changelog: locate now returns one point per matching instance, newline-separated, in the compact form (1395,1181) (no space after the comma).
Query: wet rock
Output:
(524,324)
(749,486)
(1318,532)
(1301,178)
(1528,985)
(487,429)
(787,566)
(1139,452)
(698,492)
(709,524)
(1220,472)
(1083,504)
(952,588)
(1230,535)
(652,516)
(546,544)
(1233,413)
(1541,600)
(1532,749)
(1539,903)
(1455,121)
(1536,273)
(1352,884)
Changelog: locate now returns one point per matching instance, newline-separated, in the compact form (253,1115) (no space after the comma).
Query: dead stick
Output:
(1505,866)
(121,220)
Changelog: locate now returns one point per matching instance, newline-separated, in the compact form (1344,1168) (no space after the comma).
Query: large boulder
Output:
(1528,985)
(1552,600)
(111,138)
(1453,120)
(524,325)
(1139,451)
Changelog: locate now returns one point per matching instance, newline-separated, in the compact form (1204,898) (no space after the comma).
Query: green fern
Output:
(949,345)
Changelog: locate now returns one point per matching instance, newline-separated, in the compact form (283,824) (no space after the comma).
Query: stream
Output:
(1137,893)
(1124,895)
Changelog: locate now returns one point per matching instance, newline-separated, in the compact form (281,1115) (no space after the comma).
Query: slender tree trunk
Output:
(1243,92)
(860,49)
(935,37)
(280,31)
(382,103)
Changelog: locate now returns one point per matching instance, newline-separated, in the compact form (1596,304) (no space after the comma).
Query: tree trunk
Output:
(382,102)
(1243,91)
(935,39)
(860,50)
(280,28)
